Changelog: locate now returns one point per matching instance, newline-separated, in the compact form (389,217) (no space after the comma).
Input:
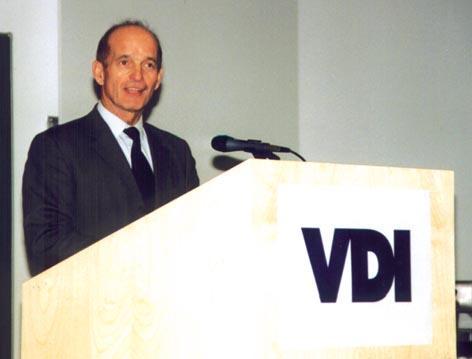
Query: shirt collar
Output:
(116,124)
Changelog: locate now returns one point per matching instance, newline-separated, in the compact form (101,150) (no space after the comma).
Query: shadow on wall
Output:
(224,163)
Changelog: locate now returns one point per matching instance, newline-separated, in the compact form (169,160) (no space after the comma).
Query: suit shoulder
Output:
(67,138)
(164,137)
(67,132)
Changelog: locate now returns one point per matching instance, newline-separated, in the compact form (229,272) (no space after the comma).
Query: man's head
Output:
(128,69)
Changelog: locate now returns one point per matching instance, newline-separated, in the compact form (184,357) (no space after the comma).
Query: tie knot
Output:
(132,133)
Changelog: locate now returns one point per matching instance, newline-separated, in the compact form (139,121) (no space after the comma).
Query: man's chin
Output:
(134,106)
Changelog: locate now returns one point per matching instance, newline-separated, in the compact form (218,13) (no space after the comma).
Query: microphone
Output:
(224,143)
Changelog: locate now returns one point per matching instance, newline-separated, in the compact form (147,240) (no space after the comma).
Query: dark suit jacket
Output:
(78,186)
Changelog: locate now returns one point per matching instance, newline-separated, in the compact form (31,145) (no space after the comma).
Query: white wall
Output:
(390,83)
(34,28)
(230,67)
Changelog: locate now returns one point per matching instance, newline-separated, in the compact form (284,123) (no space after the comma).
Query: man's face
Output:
(130,75)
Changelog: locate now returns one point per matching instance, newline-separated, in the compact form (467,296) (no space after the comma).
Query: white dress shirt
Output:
(117,126)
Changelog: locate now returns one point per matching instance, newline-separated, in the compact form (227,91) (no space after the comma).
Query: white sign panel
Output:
(354,267)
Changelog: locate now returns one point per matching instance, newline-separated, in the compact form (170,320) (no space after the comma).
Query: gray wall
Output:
(230,67)
(390,83)
(369,82)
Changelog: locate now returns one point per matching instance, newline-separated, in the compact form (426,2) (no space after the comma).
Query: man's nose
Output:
(137,73)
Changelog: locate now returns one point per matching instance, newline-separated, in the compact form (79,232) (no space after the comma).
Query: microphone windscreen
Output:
(219,143)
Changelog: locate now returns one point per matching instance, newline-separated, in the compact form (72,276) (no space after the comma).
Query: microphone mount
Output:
(257,148)
(261,153)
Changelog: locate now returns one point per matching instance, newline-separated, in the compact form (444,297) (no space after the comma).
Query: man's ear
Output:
(159,78)
(98,72)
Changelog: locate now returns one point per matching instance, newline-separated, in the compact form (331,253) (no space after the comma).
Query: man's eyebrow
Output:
(126,56)
(153,59)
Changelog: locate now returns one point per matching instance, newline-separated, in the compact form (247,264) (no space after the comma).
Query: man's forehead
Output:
(130,37)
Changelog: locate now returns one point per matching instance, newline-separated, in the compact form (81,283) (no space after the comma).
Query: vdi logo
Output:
(394,264)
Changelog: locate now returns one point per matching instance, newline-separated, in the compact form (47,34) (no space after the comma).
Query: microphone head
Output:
(219,143)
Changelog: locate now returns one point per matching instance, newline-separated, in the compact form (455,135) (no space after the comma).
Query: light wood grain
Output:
(190,281)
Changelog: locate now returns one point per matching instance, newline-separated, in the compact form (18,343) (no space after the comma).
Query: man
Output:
(88,178)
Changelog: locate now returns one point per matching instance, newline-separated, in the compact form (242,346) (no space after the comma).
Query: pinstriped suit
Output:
(78,186)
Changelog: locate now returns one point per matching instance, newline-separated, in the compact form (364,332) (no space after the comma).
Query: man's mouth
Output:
(135,90)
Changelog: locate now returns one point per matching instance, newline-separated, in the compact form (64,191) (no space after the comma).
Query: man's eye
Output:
(150,65)
(124,62)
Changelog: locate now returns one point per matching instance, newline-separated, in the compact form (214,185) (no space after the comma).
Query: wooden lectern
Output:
(206,276)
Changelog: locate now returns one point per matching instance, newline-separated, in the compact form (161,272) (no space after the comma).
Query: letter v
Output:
(327,275)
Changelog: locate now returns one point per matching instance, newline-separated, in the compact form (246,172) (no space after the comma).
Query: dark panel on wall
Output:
(5,198)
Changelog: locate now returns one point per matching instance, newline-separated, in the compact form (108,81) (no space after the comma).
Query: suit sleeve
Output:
(48,205)
(191,171)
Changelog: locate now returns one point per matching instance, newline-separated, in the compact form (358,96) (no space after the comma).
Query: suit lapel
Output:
(106,147)
(161,163)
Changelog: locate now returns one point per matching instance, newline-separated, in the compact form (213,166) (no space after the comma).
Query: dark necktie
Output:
(141,170)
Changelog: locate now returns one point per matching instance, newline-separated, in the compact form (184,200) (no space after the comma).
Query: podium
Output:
(271,259)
